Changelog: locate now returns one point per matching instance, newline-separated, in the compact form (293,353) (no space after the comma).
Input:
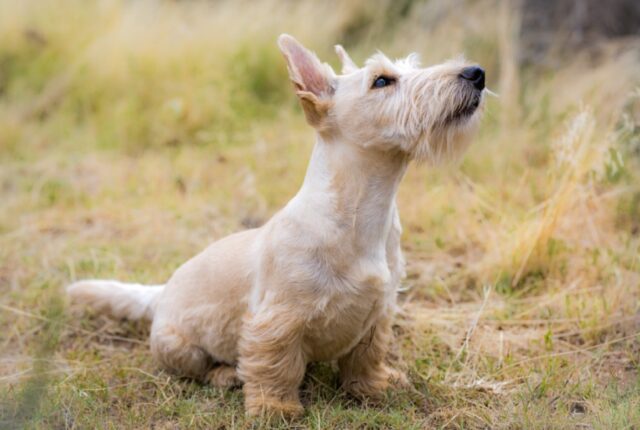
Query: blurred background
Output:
(134,133)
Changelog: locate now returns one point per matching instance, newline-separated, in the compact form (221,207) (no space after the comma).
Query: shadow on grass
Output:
(21,405)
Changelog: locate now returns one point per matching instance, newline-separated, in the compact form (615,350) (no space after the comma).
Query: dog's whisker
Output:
(491,93)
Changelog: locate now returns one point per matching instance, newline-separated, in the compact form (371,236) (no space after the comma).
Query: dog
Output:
(319,280)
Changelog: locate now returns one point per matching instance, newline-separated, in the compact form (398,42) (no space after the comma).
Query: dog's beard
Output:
(464,110)
(445,115)
(446,139)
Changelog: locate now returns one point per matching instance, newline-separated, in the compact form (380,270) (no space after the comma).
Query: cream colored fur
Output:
(318,281)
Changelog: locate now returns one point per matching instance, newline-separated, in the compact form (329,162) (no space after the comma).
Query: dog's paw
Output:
(366,390)
(374,386)
(273,410)
(223,377)
(398,378)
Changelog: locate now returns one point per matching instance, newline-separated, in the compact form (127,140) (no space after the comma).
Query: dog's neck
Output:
(352,189)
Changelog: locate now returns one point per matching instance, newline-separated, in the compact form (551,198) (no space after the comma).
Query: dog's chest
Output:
(342,317)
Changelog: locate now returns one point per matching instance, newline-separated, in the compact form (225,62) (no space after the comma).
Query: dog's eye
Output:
(382,81)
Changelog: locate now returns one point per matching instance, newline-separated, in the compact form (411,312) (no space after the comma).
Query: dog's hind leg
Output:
(178,354)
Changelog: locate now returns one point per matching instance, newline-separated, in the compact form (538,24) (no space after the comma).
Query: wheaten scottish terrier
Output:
(318,282)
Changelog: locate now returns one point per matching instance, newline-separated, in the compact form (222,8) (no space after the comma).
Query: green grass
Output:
(136,136)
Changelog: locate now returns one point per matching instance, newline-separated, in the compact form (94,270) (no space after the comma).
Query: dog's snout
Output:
(475,75)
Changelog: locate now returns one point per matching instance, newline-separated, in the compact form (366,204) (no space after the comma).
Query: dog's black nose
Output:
(475,75)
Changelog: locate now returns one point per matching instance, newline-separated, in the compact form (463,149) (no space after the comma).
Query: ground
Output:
(136,136)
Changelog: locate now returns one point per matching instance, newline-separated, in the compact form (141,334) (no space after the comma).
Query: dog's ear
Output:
(312,79)
(348,66)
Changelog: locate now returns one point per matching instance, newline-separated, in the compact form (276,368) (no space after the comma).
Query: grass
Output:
(134,134)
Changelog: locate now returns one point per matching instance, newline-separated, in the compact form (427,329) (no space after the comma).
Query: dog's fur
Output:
(319,280)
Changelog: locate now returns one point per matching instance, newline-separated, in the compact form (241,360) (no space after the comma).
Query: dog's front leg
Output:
(272,363)
(363,370)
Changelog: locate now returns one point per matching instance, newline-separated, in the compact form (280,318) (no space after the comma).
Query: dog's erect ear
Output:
(312,79)
(348,66)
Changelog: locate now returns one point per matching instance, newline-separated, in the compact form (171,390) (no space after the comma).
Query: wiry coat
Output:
(319,280)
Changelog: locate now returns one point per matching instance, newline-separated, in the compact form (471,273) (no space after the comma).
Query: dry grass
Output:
(133,134)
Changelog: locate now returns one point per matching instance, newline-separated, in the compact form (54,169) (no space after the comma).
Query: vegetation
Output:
(132,134)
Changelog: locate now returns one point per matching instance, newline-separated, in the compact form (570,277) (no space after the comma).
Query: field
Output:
(133,134)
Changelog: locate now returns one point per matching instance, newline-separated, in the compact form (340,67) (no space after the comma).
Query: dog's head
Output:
(427,113)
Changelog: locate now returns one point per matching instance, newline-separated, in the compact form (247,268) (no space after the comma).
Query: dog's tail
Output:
(118,299)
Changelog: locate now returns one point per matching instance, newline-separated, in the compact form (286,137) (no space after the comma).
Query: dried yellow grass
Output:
(133,134)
